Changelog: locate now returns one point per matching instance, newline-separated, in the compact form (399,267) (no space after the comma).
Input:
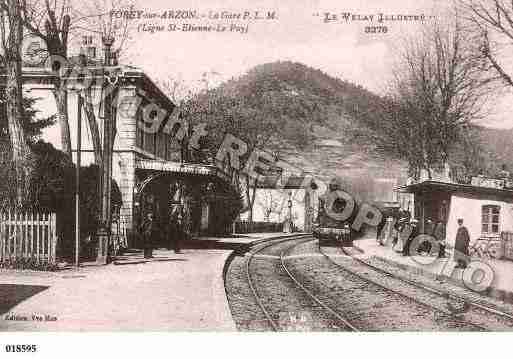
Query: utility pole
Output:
(77,179)
(109,126)
(289,228)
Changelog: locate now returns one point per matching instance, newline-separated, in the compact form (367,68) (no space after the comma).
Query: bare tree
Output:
(102,21)
(493,25)
(437,90)
(51,23)
(58,23)
(11,36)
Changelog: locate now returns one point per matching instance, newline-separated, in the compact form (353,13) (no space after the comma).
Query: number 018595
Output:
(20,348)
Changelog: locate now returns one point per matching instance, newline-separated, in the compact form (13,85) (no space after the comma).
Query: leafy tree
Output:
(32,125)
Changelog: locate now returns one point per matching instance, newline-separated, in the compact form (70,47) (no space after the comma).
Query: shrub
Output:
(52,188)
(28,263)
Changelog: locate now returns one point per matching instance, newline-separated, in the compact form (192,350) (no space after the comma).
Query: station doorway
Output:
(207,205)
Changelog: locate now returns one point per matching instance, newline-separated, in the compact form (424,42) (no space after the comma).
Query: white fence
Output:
(28,235)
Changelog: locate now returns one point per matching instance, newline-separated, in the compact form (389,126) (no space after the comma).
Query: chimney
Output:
(91,52)
(107,41)
(87,50)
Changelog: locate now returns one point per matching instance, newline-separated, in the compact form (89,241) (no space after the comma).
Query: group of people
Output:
(405,230)
(151,232)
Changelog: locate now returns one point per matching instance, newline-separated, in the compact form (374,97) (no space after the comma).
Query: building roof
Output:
(40,76)
(293,182)
(182,168)
(433,186)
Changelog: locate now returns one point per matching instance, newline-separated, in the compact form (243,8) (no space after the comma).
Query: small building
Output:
(295,200)
(485,205)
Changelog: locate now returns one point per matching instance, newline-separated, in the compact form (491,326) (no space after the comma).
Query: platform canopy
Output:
(432,186)
(181,168)
(293,182)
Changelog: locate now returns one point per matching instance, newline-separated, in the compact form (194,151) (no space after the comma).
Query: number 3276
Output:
(376,29)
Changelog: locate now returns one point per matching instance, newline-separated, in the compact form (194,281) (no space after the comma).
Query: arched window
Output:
(490,219)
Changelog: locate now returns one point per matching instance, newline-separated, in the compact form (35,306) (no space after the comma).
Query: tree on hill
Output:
(246,117)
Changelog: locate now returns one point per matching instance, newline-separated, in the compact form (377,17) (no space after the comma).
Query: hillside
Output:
(331,127)
(496,149)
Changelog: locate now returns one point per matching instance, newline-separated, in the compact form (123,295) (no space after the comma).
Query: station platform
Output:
(170,292)
(501,287)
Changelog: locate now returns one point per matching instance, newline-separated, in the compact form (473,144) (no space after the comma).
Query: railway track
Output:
(337,321)
(489,318)
(371,305)
(283,277)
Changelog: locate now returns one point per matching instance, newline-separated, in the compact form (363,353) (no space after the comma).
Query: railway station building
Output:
(147,167)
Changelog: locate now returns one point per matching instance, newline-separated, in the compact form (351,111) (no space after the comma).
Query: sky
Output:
(339,48)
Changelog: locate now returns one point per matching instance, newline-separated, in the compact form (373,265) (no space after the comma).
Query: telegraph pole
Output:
(77,179)
(104,231)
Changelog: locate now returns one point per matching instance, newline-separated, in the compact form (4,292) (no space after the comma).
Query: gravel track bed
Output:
(245,311)
(365,304)
(290,307)
(492,321)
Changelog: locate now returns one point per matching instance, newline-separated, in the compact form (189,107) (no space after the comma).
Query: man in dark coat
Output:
(176,225)
(439,235)
(414,232)
(461,254)
(429,228)
(149,232)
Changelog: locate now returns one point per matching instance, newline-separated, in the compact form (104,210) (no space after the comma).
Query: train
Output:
(328,230)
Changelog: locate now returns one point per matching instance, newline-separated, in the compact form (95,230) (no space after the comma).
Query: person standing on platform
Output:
(413,233)
(429,229)
(439,235)
(398,235)
(176,228)
(461,253)
(149,232)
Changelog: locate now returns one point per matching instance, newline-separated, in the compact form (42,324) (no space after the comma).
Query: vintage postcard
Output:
(255,166)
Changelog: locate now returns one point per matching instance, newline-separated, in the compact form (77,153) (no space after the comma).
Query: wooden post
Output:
(38,229)
(53,235)
(31,222)
(2,236)
(308,214)
(14,222)
(24,249)
(11,235)
(77,184)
